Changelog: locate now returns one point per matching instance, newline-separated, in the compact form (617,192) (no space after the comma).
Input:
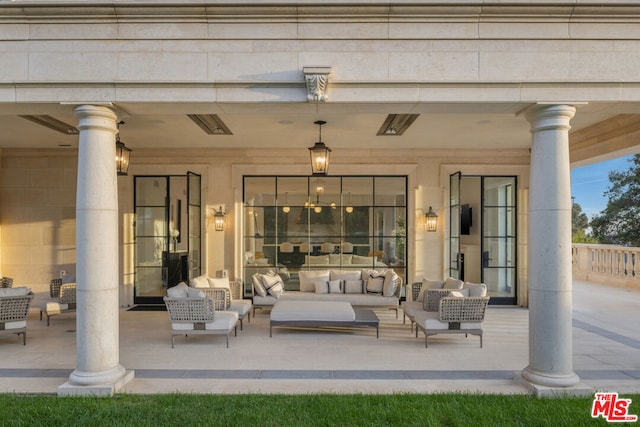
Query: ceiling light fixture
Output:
(396,124)
(123,154)
(53,123)
(211,124)
(319,153)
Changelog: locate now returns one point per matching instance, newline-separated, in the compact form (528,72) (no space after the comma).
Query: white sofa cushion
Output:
(476,289)
(14,292)
(181,290)
(199,282)
(308,279)
(353,286)
(363,260)
(313,310)
(15,325)
(345,274)
(452,283)
(390,283)
(219,282)
(194,293)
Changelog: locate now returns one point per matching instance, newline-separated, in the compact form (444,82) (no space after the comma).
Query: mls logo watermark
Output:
(612,408)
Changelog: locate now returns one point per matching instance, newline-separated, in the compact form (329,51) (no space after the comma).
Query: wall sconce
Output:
(431,220)
(219,219)
(175,234)
(122,154)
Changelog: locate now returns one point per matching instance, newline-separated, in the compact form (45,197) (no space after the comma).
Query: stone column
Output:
(550,309)
(98,370)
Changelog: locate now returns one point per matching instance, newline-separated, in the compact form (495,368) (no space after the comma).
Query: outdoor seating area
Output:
(62,299)
(14,310)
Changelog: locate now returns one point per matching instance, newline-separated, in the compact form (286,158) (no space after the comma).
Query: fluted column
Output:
(550,287)
(98,369)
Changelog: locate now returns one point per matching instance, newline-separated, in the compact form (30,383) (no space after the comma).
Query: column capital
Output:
(550,117)
(96,117)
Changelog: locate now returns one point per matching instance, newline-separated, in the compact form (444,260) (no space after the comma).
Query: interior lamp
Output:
(218,219)
(431,220)
(319,153)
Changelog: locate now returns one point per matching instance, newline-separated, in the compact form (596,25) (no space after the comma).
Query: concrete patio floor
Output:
(605,333)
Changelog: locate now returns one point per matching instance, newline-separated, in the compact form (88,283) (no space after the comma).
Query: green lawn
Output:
(301,410)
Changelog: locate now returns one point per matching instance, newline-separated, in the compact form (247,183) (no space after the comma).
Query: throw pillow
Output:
(452,283)
(181,290)
(476,289)
(199,282)
(335,286)
(456,294)
(194,293)
(353,287)
(375,283)
(219,282)
(322,287)
(390,283)
(309,278)
(273,285)
(258,287)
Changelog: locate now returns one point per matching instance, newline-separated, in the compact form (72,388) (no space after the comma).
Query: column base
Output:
(573,385)
(107,389)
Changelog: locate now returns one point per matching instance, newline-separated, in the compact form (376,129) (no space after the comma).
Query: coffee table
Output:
(321,313)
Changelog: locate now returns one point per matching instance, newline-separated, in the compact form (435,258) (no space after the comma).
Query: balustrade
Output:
(609,263)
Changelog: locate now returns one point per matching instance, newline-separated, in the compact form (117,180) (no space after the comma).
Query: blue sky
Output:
(588,184)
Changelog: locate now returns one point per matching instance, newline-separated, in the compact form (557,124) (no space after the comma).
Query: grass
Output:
(300,410)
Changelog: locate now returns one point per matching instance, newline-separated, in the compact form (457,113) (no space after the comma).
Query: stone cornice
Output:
(372,11)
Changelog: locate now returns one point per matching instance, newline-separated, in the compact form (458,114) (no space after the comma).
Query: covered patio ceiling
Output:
(599,130)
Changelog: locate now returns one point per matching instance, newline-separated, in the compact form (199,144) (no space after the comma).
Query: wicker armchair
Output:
(230,300)
(455,315)
(412,306)
(6,282)
(199,316)
(14,310)
(64,299)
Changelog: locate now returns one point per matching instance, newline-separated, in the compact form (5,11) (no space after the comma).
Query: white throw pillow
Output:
(390,283)
(181,290)
(309,278)
(375,282)
(273,285)
(335,286)
(199,282)
(258,287)
(194,293)
(476,289)
(353,287)
(452,283)
(322,287)
(219,282)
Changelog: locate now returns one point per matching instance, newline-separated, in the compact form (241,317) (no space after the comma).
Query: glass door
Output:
(152,238)
(167,234)
(194,213)
(499,243)
(455,269)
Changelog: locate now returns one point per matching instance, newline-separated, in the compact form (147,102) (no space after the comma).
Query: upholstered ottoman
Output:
(320,313)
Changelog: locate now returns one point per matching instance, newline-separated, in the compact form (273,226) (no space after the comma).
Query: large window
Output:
(293,223)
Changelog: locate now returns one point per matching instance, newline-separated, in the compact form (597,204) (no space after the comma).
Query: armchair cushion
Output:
(452,283)
(476,289)
(219,282)
(428,284)
(194,293)
(14,292)
(200,282)
(181,290)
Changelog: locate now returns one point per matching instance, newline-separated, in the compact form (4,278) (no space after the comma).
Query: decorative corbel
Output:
(317,79)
